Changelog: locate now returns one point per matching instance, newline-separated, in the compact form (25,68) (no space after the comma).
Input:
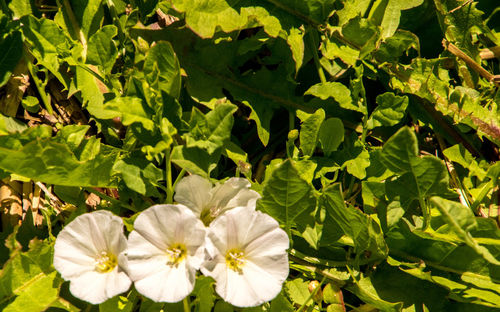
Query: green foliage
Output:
(374,147)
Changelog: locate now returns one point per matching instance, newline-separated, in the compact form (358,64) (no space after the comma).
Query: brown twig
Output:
(460,6)
(468,60)
(490,53)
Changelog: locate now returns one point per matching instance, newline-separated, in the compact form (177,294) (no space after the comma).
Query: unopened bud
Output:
(318,296)
(293,135)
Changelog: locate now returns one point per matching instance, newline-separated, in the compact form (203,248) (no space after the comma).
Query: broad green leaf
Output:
(101,49)
(362,34)
(52,162)
(368,238)
(194,159)
(400,151)
(309,132)
(365,290)
(162,67)
(21,8)
(48,43)
(286,194)
(335,90)
(281,304)
(31,104)
(331,134)
(29,279)
(353,156)
(213,130)
(297,290)
(296,42)
(457,153)
(392,48)
(120,303)
(461,221)
(129,109)
(389,111)
(138,174)
(204,291)
(10,47)
(10,125)
(388,12)
(89,15)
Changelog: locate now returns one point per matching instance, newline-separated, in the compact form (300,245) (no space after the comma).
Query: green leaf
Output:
(10,125)
(213,130)
(286,195)
(363,230)
(400,151)
(29,279)
(120,303)
(297,290)
(362,34)
(296,42)
(10,47)
(388,12)
(52,162)
(331,134)
(457,153)
(281,304)
(162,67)
(31,104)
(101,49)
(309,132)
(21,8)
(335,90)
(392,48)
(205,294)
(389,111)
(194,159)
(129,109)
(353,156)
(365,290)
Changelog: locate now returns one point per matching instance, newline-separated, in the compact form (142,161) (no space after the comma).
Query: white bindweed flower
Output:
(88,253)
(165,251)
(249,261)
(208,202)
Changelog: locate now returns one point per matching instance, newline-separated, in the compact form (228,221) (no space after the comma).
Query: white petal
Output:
(156,229)
(97,287)
(168,283)
(233,193)
(266,260)
(83,239)
(194,192)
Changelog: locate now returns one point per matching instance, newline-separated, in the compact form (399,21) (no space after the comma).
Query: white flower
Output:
(165,251)
(208,202)
(249,261)
(88,253)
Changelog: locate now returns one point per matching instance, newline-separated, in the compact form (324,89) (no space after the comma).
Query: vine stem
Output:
(314,49)
(168,177)
(40,88)
(311,295)
(186,304)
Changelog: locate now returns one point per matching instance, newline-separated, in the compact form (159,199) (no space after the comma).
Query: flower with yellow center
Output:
(165,251)
(208,201)
(89,253)
(247,257)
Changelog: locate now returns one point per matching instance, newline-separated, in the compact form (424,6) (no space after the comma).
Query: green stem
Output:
(425,213)
(179,177)
(168,177)
(314,48)
(5,8)
(116,19)
(311,295)
(40,88)
(77,31)
(186,304)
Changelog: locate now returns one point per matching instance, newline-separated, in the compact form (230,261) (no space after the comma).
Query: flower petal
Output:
(83,239)
(194,192)
(233,193)
(167,283)
(157,229)
(97,287)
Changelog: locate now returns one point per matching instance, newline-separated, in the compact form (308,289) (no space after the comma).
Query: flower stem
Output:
(168,177)
(311,295)
(314,48)
(186,304)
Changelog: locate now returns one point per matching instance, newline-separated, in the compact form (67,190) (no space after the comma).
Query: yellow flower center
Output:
(176,254)
(105,262)
(235,260)
(208,214)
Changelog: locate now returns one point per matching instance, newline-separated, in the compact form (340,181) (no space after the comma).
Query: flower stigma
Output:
(105,262)
(208,214)
(176,254)
(235,260)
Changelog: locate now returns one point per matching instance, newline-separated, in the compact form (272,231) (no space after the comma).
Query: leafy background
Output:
(370,127)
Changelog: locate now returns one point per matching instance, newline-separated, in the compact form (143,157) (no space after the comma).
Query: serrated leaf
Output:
(297,290)
(286,194)
(335,90)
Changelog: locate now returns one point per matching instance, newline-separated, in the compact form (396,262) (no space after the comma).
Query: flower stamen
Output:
(105,262)
(235,260)
(176,254)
